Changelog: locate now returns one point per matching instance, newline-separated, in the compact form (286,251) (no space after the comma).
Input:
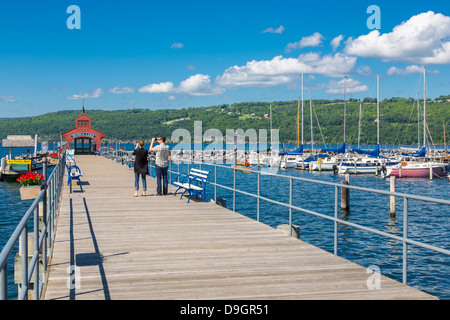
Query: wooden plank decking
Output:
(160,247)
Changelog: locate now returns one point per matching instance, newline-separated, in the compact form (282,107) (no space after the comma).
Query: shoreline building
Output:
(83,138)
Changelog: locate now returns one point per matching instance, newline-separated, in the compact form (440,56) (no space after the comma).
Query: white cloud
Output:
(197,85)
(96,93)
(311,41)
(336,41)
(118,90)
(7,99)
(408,70)
(364,70)
(279,30)
(423,39)
(163,87)
(279,70)
(177,45)
(337,87)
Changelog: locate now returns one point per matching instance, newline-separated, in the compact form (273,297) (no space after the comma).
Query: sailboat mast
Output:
(298,123)
(378,109)
(310,110)
(445,142)
(345,102)
(424,105)
(270,126)
(418,122)
(359,126)
(302,108)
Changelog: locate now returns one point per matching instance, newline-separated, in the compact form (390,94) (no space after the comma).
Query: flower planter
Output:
(30,192)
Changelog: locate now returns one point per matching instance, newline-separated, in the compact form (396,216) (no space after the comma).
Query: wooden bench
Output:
(194,183)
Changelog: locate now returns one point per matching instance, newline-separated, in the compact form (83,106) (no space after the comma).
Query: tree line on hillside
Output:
(398,121)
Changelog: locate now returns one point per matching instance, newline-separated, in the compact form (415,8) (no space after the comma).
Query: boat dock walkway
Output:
(111,245)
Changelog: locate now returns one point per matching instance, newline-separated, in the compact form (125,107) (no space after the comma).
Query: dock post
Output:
(292,230)
(392,198)
(345,196)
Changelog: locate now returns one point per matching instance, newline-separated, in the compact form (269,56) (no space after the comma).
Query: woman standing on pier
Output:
(140,167)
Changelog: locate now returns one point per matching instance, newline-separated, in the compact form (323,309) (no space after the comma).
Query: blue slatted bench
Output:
(73,173)
(194,183)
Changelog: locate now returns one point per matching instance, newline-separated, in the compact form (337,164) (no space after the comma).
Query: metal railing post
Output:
(170,171)
(336,204)
(405,237)
(258,200)
(4,282)
(36,252)
(44,222)
(215,184)
(234,189)
(24,248)
(290,208)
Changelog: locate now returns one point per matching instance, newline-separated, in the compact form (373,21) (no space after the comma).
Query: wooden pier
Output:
(111,245)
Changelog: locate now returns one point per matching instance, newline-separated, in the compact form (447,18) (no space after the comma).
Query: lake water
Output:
(430,223)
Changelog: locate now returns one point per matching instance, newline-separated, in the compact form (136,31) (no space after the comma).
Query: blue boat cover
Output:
(374,153)
(341,149)
(315,157)
(420,153)
(296,152)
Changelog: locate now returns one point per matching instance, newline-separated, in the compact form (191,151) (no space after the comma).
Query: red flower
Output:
(30,178)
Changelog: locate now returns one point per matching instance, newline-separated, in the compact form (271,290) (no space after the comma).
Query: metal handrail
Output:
(50,196)
(126,158)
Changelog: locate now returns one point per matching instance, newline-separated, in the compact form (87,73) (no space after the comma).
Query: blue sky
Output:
(175,54)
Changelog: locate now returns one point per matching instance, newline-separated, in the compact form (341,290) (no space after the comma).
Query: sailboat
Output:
(291,159)
(416,169)
(366,161)
(325,162)
(303,162)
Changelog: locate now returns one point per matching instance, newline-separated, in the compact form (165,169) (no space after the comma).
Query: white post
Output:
(392,198)
(35,144)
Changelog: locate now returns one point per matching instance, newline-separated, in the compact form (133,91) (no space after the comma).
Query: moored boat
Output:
(417,170)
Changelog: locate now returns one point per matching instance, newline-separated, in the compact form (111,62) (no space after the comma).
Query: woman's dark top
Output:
(140,161)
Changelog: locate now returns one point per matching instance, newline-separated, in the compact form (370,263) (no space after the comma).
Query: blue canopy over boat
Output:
(296,152)
(315,158)
(341,149)
(374,153)
(420,153)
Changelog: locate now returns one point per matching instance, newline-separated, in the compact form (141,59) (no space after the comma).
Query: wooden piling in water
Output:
(345,197)
(392,198)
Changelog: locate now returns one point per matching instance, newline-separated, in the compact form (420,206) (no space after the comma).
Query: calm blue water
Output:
(430,223)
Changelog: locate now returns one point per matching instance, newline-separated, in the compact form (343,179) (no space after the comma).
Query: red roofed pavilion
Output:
(87,140)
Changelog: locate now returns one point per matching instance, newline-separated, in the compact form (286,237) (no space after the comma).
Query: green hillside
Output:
(398,123)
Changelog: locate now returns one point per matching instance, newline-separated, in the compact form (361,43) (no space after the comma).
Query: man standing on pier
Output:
(161,164)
